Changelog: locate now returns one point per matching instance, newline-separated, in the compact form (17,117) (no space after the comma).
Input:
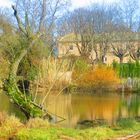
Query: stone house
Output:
(67,46)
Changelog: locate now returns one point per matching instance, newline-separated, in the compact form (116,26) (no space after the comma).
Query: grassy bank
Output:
(98,133)
(37,129)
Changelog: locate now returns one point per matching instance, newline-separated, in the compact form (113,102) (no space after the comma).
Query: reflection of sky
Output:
(75,3)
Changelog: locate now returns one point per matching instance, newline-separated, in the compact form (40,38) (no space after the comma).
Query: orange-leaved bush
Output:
(100,77)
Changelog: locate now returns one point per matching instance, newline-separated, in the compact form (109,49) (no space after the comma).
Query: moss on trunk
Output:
(24,102)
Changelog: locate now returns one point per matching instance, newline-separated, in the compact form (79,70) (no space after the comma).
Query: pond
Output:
(77,108)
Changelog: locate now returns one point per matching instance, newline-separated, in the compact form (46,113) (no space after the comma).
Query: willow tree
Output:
(31,36)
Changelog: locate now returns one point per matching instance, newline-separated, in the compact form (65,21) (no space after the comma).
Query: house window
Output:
(104,59)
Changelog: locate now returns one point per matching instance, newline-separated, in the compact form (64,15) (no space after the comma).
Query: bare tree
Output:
(120,43)
(134,50)
(135,53)
(129,10)
(120,50)
(80,25)
(30,36)
(92,28)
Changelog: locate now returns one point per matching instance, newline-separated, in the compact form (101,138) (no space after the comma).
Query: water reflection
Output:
(110,107)
(7,106)
(75,108)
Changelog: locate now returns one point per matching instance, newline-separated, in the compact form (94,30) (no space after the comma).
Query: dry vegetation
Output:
(101,77)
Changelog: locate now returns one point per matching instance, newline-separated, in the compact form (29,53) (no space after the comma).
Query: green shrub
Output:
(130,69)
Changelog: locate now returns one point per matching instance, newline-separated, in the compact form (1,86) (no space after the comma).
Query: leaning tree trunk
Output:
(23,101)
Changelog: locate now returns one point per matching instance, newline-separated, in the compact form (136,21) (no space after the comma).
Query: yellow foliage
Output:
(99,77)
(9,125)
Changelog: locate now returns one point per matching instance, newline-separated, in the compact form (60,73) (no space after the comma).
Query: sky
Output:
(5,3)
(83,3)
(75,3)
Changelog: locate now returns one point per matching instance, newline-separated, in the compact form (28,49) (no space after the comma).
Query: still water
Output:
(75,108)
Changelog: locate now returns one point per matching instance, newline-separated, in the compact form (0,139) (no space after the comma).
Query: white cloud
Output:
(80,3)
(5,3)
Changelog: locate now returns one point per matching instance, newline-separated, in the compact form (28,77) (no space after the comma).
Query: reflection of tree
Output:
(9,107)
(69,110)
(133,108)
(4,101)
(95,107)
(130,105)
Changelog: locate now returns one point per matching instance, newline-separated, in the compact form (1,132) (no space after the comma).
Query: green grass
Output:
(98,133)
(55,133)
(38,131)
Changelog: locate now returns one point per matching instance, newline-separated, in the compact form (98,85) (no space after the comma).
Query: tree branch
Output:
(18,20)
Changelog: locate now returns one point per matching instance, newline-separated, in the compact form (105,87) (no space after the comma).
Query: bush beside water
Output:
(99,77)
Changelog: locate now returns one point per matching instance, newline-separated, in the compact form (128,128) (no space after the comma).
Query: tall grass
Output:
(130,69)
(54,70)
